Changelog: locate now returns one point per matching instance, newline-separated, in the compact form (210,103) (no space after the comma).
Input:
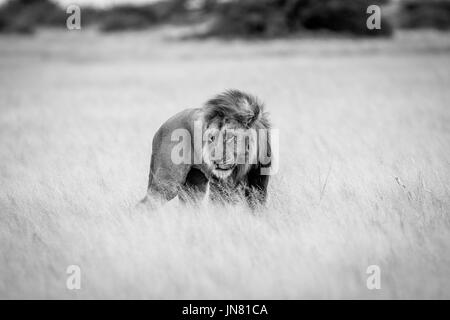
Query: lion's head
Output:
(233,120)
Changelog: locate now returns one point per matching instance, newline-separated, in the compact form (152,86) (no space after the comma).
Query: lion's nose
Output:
(218,162)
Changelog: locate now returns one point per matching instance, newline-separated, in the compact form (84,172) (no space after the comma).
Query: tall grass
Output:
(363,179)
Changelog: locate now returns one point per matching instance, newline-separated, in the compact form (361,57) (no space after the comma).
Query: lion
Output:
(225,135)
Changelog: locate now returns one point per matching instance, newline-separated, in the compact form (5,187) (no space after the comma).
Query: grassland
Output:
(364,168)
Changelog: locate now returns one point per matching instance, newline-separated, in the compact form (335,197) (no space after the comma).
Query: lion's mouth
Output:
(224,167)
(222,171)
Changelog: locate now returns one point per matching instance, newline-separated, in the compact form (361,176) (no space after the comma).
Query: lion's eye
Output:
(211,138)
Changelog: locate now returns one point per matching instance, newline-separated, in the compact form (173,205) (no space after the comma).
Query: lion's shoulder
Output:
(184,119)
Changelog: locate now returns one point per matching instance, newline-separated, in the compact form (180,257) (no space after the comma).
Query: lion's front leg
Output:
(194,188)
(256,191)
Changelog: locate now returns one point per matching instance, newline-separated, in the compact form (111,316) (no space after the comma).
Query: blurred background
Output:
(226,18)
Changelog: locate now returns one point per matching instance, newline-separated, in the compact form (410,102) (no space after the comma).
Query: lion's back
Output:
(182,120)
